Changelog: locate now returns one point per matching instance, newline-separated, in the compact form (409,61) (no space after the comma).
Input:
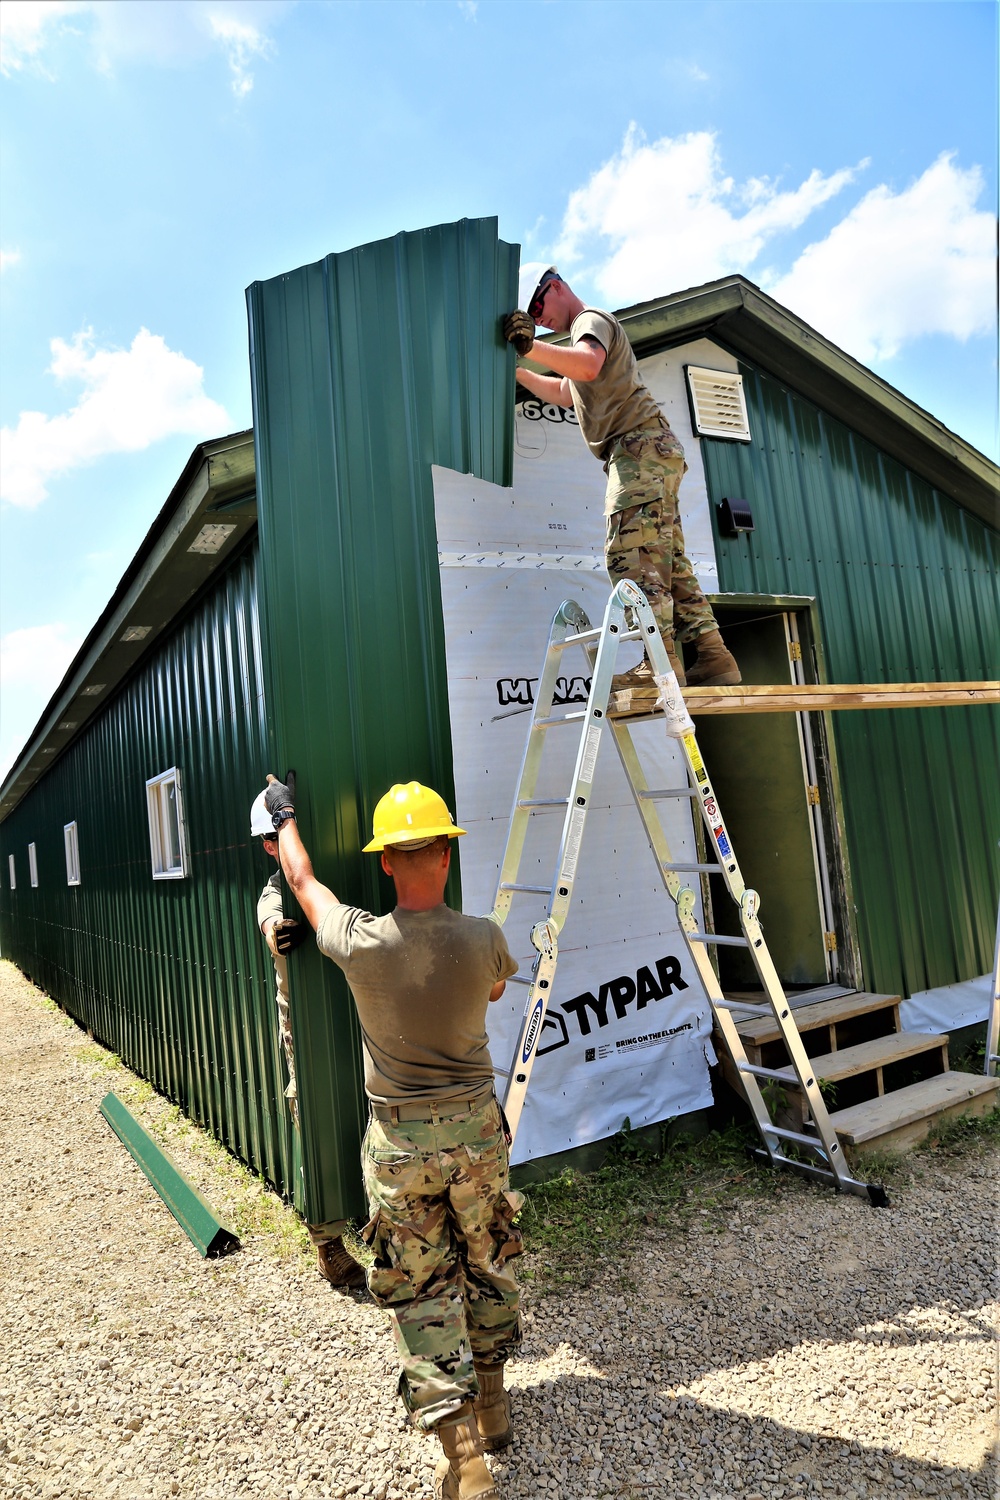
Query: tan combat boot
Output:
(716,666)
(337,1265)
(462,1474)
(639,680)
(492,1408)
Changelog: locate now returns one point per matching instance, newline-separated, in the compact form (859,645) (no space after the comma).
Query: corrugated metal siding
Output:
(171,974)
(908,586)
(367,368)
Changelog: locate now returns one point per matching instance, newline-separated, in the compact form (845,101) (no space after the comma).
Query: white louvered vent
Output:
(718,406)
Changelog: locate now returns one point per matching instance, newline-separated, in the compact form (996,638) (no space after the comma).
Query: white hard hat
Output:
(531,273)
(261,822)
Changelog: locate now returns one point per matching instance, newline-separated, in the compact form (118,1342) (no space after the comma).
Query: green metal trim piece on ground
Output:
(196,1217)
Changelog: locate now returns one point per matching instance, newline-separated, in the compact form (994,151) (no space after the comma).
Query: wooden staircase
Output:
(884,1088)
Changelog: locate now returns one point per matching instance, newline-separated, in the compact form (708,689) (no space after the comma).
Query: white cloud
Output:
(242,42)
(27,26)
(37,657)
(468,8)
(901,265)
(163,32)
(131,398)
(671,217)
(9,258)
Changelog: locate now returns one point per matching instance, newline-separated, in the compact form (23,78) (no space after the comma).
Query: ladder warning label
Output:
(573,841)
(694,754)
(590,754)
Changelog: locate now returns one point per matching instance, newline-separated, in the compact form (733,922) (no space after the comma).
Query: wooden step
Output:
(850,1061)
(900,1119)
(760,1029)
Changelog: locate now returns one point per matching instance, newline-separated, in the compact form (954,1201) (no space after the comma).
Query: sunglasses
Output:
(538,300)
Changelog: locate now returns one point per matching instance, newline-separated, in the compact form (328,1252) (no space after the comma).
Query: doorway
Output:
(776,788)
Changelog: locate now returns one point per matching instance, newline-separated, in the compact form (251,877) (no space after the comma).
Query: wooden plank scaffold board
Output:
(819,696)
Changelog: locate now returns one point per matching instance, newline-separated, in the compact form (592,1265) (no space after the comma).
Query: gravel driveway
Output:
(812,1345)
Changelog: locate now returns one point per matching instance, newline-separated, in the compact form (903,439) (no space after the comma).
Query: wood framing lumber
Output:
(195,1216)
(820,696)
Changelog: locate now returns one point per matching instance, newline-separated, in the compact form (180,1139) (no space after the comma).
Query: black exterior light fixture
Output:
(735,516)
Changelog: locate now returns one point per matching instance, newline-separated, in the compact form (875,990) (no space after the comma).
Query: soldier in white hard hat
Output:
(435,1154)
(623,425)
(283,934)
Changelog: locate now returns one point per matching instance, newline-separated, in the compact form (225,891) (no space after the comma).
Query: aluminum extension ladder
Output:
(571,627)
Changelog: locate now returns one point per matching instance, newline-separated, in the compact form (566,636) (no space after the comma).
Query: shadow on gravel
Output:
(688,1449)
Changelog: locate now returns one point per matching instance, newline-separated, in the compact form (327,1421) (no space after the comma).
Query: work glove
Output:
(519,330)
(285,936)
(279,801)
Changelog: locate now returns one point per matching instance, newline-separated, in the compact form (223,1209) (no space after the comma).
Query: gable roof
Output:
(748,322)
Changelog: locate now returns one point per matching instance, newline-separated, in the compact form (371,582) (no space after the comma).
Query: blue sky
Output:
(158,157)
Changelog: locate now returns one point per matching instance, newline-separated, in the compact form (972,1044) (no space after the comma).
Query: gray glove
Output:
(519,330)
(279,801)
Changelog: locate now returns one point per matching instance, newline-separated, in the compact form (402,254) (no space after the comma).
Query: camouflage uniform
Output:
(269,908)
(644,538)
(442,1233)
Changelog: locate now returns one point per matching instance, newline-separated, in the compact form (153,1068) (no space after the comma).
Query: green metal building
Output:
(285,611)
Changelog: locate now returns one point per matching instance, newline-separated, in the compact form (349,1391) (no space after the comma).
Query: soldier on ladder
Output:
(624,427)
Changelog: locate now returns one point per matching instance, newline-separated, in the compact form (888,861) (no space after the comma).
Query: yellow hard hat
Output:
(410,816)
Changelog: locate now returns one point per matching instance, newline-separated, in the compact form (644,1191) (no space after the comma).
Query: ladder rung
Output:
(756,1010)
(593,635)
(714,869)
(714,937)
(816,1172)
(573,718)
(543,801)
(758,1072)
(504,1072)
(671,791)
(796,1135)
(519,979)
(528,890)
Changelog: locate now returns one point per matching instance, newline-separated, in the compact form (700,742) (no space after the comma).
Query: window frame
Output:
(33,866)
(155,809)
(71,848)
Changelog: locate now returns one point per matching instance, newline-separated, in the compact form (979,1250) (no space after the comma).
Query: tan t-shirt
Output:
(421,982)
(617,401)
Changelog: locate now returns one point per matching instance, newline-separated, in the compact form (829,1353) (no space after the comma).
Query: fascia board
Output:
(160,581)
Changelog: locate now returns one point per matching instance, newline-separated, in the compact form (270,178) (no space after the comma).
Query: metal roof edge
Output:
(218,481)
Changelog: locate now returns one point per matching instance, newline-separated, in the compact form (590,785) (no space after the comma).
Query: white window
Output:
(167,836)
(718,405)
(13,877)
(72,843)
(32,865)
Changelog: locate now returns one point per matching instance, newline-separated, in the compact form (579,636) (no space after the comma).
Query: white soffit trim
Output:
(718,405)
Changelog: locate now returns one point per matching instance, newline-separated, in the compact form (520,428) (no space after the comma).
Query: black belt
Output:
(429,1110)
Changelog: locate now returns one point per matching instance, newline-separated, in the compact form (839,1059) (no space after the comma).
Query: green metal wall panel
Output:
(367,368)
(908,590)
(171,974)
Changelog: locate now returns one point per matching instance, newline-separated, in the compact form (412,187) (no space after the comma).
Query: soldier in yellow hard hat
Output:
(435,1154)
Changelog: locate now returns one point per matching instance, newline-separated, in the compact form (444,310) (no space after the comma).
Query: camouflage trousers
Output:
(442,1232)
(319,1234)
(644,537)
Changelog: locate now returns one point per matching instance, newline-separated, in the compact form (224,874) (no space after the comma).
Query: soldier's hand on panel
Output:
(519,330)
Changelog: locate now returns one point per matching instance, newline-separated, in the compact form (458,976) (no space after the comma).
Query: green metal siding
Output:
(367,368)
(171,974)
(908,589)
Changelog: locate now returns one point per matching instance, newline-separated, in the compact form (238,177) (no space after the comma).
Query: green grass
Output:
(577,1222)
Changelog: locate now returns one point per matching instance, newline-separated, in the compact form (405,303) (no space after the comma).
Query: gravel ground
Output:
(813,1345)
